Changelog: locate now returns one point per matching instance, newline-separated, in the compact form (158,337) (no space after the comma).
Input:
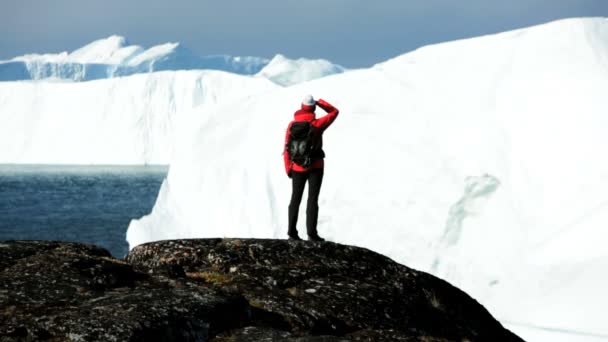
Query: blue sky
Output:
(353,33)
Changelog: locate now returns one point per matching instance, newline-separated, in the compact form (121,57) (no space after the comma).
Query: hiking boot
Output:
(294,237)
(315,237)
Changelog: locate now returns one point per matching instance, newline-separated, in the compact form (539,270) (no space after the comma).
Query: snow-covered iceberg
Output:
(480,160)
(130,120)
(286,72)
(47,117)
(114,57)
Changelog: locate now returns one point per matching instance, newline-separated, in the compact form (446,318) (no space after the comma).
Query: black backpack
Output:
(300,145)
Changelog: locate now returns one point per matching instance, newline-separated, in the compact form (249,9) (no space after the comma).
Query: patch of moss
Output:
(113,260)
(433,300)
(215,278)
(293,291)
(256,304)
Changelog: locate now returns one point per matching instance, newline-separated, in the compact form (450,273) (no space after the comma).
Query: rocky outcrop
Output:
(228,290)
(72,292)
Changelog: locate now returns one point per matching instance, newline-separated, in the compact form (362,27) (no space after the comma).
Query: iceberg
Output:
(479,160)
(115,57)
(286,72)
(119,121)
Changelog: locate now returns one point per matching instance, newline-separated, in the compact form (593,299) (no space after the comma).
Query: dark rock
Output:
(317,289)
(72,292)
(228,290)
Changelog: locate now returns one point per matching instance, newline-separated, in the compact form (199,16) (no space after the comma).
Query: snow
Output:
(480,161)
(541,334)
(127,120)
(112,50)
(113,57)
(153,53)
(53,121)
(286,72)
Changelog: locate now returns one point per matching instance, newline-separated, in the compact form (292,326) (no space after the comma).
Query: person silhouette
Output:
(304,162)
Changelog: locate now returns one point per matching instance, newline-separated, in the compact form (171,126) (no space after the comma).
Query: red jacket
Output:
(307,113)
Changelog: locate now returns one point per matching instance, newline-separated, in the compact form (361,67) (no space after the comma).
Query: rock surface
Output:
(228,290)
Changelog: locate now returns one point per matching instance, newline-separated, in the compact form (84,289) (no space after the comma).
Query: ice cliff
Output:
(479,160)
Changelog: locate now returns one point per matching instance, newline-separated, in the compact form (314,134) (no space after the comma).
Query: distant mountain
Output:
(114,56)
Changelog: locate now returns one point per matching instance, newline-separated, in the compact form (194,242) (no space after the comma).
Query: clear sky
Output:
(354,33)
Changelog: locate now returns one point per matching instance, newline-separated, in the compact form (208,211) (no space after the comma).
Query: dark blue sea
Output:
(92,204)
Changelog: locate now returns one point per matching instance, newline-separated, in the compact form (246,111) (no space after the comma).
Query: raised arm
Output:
(328,119)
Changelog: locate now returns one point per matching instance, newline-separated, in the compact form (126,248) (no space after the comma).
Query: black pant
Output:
(298,180)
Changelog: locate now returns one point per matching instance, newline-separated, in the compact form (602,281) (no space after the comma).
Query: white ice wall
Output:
(129,120)
(480,161)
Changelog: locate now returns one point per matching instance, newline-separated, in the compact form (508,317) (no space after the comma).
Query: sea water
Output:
(91,204)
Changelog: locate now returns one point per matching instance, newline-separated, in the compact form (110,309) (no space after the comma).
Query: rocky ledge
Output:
(228,290)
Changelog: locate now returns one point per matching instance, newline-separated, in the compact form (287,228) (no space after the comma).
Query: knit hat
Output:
(309,100)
